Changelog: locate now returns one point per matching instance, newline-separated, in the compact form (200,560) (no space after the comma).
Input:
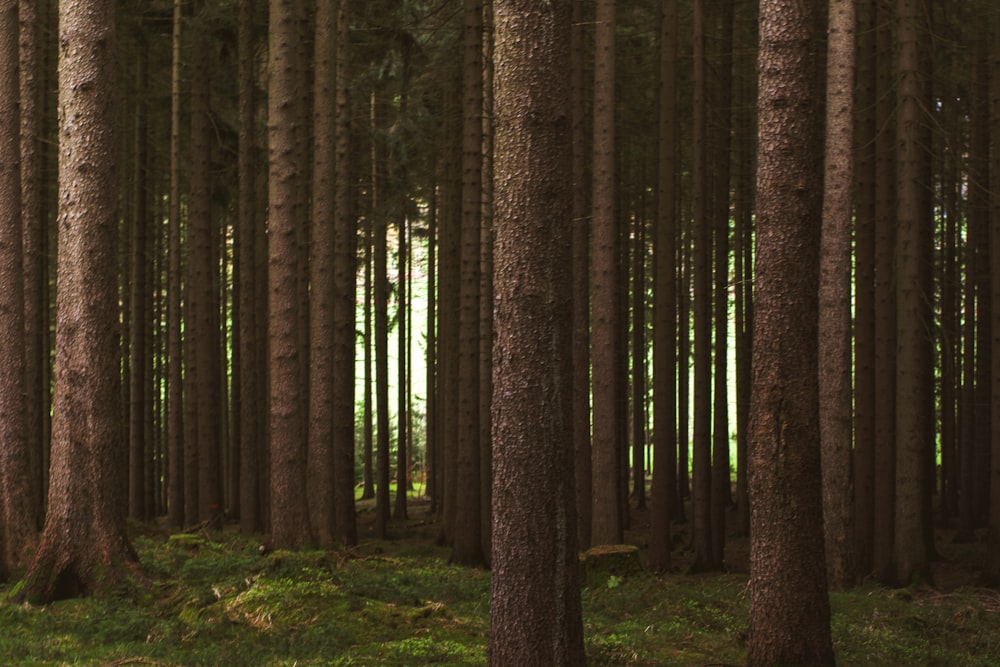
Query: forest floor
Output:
(217,599)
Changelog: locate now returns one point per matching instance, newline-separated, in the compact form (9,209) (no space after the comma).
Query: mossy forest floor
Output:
(216,599)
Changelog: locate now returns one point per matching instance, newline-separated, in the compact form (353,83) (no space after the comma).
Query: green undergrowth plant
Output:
(221,599)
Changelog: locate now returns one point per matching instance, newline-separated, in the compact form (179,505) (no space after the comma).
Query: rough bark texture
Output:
(535,608)
(289,512)
(789,606)
(835,407)
(18,512)
(84,546)
(607,497)
(994,560)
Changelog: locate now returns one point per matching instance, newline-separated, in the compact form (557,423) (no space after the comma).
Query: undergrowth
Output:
(217,599)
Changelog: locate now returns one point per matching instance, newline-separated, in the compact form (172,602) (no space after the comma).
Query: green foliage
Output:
(221,601)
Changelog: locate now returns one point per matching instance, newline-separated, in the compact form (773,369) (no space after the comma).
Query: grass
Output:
(215,599)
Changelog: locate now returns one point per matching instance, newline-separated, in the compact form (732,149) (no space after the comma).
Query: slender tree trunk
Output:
(663,490)
(536,615)
(909,540)
(203,306)
(884,492)
(639,388)
(863,460)
(607,514)
(789,605)
(993,566)
(368,490)
(251,425)
(139,451)
(835,298)
(175,390)
(701,501)
(402,363)
(322,371)
(581,284)
(381,303)
(345,287)
(84,546)
(467,542)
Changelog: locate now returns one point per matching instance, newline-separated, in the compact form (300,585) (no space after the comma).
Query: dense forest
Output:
(541,269)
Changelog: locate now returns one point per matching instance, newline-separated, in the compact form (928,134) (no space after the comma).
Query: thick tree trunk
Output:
(536,614)
(289,511)
(84,547)
(18,508)
(789,605)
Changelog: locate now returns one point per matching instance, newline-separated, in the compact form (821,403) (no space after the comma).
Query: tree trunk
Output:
(467,542)
(663,490)
(701,501)
(536,614)
(835,298)
(583,471)
(84,546)
(789,605)
(251,425)
(607,514)
(289,511)
(322,371)
(909,543)
(138,447)
(175,390)
(864,308)
(18,509)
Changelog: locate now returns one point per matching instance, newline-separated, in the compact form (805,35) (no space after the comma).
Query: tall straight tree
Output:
(701,500)
(175,372)
(246,253)
(467,542)
(535,607)
(581,284)
(33,84)
(665,302)
(289,511)
(994,561)
(344,286)
(912,315)
(789,605)
(321,265)
(607,483)
(84,546)
(835,297)
(18,511)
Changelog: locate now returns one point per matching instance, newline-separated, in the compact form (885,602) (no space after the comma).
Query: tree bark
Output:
(835,408)
(607,466)
(84,546)
(536,614)
(789,606)
(289,511)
